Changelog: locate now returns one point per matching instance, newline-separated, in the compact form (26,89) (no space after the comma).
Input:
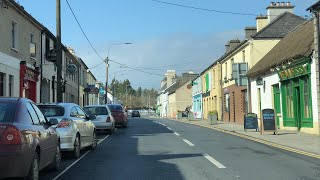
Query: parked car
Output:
(28,143)
(75,127)
(119,114)
(135,114)
(103,121)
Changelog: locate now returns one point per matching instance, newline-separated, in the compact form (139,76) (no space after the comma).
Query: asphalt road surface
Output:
(165,149)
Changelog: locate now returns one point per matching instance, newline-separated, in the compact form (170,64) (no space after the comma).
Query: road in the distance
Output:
(165,149)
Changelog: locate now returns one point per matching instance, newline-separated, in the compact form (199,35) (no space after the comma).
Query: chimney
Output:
(262,21)
(275,9)
(250,31)
(71,50)
(171,74)
(227,48)
(234,43)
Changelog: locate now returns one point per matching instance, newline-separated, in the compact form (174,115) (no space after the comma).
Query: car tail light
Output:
(64,123)
(11,135)
(108,119)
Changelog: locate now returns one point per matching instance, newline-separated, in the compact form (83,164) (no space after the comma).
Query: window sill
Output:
(14,49)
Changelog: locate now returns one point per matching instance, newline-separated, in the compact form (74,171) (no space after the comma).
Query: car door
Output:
(41,134)
(88,124)
(50,132)
(74,115)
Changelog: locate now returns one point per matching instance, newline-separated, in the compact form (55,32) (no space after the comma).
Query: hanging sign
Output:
(71,68)
(51,55)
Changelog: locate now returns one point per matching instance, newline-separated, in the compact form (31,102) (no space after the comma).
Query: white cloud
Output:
(180,51)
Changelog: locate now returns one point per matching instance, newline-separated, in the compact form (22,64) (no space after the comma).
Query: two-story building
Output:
(241,56)
(197,97)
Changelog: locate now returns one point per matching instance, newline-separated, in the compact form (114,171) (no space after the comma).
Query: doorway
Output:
(276,102)
(298,107)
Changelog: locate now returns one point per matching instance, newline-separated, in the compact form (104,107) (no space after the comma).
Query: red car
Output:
(119,114)
(28,143)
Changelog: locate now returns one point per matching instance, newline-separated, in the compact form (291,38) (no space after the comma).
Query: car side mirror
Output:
(53,121)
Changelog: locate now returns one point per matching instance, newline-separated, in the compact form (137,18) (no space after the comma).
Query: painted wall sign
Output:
(293,72)
(30,75)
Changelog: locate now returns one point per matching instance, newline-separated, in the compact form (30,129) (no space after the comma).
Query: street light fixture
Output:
(107,66)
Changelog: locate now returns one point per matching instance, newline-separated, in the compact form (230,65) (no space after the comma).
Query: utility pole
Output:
(59,52)
(107,73)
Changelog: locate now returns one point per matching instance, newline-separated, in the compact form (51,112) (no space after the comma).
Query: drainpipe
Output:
(41,66)
(222,95)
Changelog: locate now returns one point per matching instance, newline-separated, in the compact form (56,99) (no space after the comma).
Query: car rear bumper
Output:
(102,125)
(15,162)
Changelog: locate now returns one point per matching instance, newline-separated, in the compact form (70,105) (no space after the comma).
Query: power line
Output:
(204,9)
(83,31)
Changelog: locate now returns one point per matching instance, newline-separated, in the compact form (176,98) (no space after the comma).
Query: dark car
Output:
(28,143)
(135,114)
(119,114)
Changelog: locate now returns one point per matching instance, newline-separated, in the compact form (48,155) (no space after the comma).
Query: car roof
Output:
(95,106)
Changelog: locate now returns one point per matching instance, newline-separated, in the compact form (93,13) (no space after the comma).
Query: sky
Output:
(162,36)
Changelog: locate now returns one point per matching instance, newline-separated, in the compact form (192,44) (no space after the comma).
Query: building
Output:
(19,52)
(241,56)
(197,97)
(287,74)
(167,81)
(92,95)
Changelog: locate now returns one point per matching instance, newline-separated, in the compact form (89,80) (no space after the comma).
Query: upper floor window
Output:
(14,34)
(243,56)
(32,46)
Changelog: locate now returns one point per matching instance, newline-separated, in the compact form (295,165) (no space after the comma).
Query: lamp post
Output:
(107,67)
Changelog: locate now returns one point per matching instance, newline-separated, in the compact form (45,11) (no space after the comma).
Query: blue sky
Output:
(162,36)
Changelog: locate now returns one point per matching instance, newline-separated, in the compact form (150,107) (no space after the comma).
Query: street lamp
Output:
(107,67)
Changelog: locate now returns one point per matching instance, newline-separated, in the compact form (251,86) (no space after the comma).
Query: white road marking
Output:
(169,128)
(177,134)
(213,161)
(71,165)
(102,139)
(75,162)
(188,142)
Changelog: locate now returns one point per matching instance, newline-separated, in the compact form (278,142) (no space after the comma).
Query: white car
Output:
(75,127)
(104,121)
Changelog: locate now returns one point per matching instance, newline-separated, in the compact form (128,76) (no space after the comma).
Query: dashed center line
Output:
(188,142)
(177,134)
(213,161)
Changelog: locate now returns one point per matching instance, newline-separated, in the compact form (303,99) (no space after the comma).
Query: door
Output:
(88,125)
(297,106)
(276,102)
(74,115)
(233,107)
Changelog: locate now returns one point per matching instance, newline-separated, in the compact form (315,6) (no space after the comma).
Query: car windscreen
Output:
(52,111)
(115,107)
(96,110)
(7,111)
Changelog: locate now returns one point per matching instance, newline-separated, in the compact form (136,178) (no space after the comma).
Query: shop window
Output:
(10,85)
(2,76)
(244,100)
(289,100)
(307,95)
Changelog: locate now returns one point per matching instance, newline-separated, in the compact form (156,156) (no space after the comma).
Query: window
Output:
(11,85)
(32,47)
(96,110)
(14,34)
(41,117)
(244,101)
(231,64)
(226,67)
(243,56)
(32,114)
(74,112)
(51,111)
(289,100)
(227,101)
(239,71)
(81,113)
(213,79)
(7,111)
(215,103)
(2,77)
(307,103)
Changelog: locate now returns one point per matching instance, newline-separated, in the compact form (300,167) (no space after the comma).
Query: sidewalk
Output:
(294,139)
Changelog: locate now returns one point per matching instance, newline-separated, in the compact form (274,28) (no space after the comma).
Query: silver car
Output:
(104,121)
(75,127)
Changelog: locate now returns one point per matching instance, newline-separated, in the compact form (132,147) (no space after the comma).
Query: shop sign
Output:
(30,75)
(293,72)
(71,68)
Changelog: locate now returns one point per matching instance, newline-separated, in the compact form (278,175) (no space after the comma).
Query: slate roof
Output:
(295,45)
(280,26)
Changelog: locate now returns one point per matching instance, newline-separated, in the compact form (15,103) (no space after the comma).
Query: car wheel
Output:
(77,147)
(94,141)
(33,173)
(111,131)
(55,165)
(124,125)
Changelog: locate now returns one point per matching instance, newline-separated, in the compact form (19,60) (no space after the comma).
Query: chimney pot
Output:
(278,4)
(288,4)
(283,3)
(272,4)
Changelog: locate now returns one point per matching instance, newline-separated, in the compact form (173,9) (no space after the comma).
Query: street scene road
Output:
(152,148)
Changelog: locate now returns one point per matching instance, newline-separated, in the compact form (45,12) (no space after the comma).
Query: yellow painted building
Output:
(211,96)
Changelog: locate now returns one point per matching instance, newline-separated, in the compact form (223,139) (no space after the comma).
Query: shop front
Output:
(197,106)
(28,82)
(296,95)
